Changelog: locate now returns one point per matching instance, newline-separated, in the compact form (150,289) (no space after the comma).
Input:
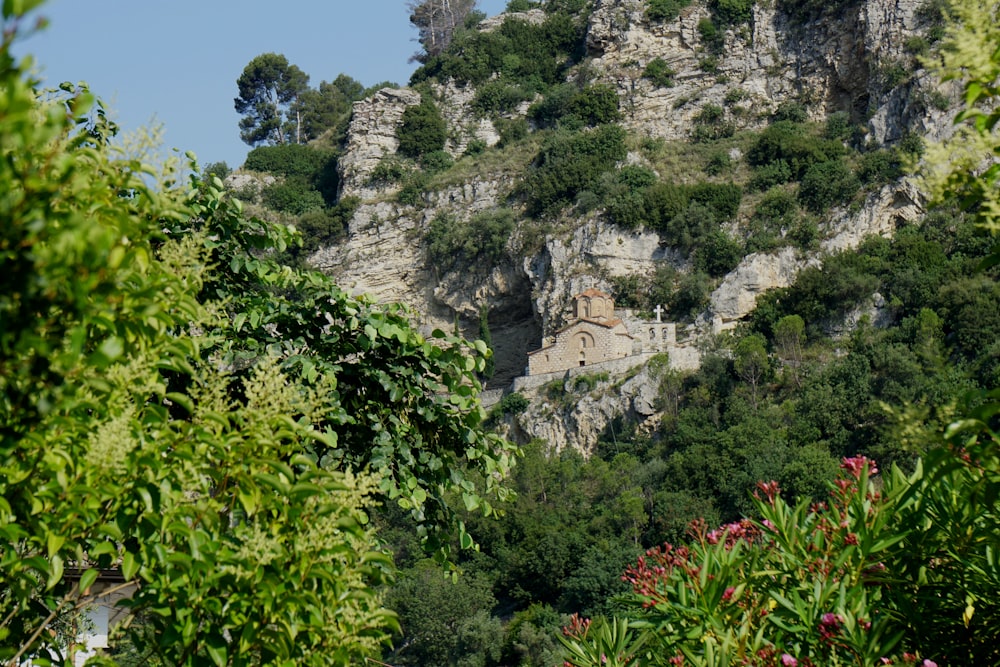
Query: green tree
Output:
(423,130)
(327,107)
(177,405)
(436,22)
(751,363)
(268,89)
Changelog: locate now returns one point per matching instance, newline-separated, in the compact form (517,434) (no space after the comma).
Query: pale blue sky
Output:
(177,61)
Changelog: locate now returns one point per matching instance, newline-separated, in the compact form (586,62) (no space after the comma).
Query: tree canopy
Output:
(268,88)
(177,405)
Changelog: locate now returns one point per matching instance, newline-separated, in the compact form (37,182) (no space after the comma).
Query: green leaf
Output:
(87,579)
(129,565)
(218,650)
(53,543)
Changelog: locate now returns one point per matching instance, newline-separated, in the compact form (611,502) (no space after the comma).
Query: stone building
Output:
(594,335)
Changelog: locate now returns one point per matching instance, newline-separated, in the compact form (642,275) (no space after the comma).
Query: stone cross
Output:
(659,311)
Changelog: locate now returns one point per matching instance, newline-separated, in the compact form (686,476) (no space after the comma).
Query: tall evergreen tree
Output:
(269,88)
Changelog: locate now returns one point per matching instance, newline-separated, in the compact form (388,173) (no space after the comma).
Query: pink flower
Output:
(729,593)
(928,663)
(788,661)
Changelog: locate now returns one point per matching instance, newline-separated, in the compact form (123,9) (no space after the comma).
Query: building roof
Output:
(591,293)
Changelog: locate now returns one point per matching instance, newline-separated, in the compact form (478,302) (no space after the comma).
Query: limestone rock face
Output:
(591,253)
(370,137)
(578,411)
(842,61)
(884,211)
(756,273)
(833,63)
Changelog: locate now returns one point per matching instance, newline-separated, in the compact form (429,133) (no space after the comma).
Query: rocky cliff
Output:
(844,60)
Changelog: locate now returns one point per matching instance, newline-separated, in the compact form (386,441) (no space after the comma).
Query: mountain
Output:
(755,139)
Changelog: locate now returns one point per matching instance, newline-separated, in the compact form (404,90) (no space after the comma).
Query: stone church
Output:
(594,335)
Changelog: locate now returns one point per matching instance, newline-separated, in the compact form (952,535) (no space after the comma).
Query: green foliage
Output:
(880,166)
(718,163)
(570,162)
(483,238)
(295,196)
(790,142)
(717,254)
(665,10)
(287,160)
(389,169)
(792,112)
(484,335)
(423,129)
(217,170)
(731,12)
(711,124)
(444,622)
(522,53)
(322,228)
(569,106)
(176,404)
(776,214)
(838,126)
(498,97)
(770,175)
(514,403)
(268,87)
(805,11)
(645,292)
(659,72)
(511,130)
(596,105)
(327,108)
(712,38)
(436,161)
(826,184)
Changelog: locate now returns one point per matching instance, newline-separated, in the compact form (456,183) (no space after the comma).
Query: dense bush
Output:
(777,212)
(511,130)
(826,184)
(498,97)
(483,238)
(522,53)
(389,169)
(659,72)
(596,105)
(571,162)
(436,161)
(731,12)
(287,160)
(423,129)
(292,195)
(880,166)
(664,201)
(567,105)
(718,163)
(792,112)
(514,403)
(723,198)
(770,175)
(323,227)
(717,254)
(791,142)
(665,10)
